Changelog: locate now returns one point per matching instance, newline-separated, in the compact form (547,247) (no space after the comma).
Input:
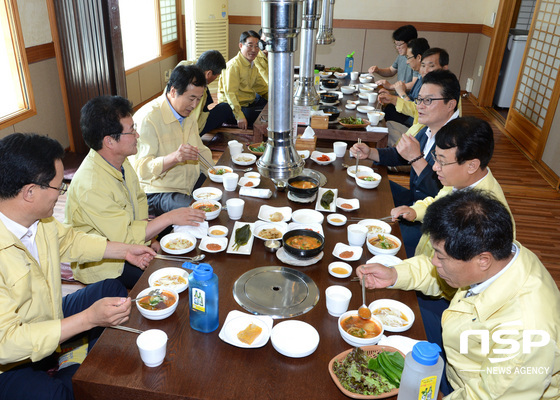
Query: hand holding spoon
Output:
(364,312)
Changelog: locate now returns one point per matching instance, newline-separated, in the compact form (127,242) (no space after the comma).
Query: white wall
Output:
(34,19)
(452,11)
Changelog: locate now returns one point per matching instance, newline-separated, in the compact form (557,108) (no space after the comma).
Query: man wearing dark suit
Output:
(437,105)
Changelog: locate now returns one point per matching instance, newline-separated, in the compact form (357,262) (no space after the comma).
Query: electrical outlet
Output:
(167,74)
(480,70)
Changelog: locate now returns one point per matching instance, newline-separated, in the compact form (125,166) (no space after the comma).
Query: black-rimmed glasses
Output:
(428,101)
(442,163)
(61,190)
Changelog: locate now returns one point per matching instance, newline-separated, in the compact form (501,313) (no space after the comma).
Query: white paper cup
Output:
(372,97)
(373,118)
(152,345)
(338,298)
(357,234)
(235,149)
(230,181)
(339,148)
(235,208)
(354,75)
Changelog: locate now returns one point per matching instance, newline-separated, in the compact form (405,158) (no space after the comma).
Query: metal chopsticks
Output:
(125,328)
(205,162)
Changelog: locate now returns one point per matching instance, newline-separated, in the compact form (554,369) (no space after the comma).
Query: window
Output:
(146,25)
(16,96)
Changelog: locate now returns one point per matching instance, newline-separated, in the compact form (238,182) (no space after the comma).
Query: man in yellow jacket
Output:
(241,85)
(105,197)
(169,146)
(502,328)
(34,318)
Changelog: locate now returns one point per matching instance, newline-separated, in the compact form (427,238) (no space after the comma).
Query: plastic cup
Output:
(372,97)
(339,148)
(230,181)
(338,298)
(354,75)
(235,149)
(357,234)
(235,208)
(373,117)
(152,345)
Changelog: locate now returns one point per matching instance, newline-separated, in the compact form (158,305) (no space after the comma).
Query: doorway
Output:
(512,57)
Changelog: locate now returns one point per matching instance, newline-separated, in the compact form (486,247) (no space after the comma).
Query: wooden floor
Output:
(534,203)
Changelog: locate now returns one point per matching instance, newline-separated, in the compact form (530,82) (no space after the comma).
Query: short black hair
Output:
(470,222)
(405,33)
(211,60)
(27,158)
(101,116)
(443,55)
(450,86)
(472,137)
(247,34)
(418,46)
(183,76)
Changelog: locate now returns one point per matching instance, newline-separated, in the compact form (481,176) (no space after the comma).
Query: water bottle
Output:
(421,376)
(203,297)
(349,63)
(317,79)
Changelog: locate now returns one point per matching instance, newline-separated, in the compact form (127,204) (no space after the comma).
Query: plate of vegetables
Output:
(257,148)
(241,241)
(368,372)
(353,122)
(326,200)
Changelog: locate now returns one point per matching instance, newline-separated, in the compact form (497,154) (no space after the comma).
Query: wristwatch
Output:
(403,96)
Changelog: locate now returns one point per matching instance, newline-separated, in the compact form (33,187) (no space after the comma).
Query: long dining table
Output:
(202,366)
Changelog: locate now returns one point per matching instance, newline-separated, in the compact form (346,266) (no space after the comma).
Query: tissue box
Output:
(319,121)
(306,144)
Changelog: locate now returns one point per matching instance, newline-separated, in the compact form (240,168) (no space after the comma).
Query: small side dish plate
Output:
(375,226)
(207,193)
(332,205)
(317,155)
(351,171)
(347,204)
(168,240)
(336,219)
(294,338)
(237,321)
(394,306)
(336,268)
(248,182)
(304,154)
(245,249)
(385,259)
(213,242)
(244,159)
(260,226)
(166,282)
(266,212)
(341,248)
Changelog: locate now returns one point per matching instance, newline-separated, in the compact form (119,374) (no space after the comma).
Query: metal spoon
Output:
(364,312)
(154,292)
(244,169)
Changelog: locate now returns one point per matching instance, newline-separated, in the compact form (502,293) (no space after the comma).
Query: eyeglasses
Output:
(428,101)
(408,58)
(132,132)
(442,163)
(61,190)
(399,45)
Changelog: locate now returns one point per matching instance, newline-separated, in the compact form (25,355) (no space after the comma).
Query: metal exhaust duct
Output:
(281,23)
(325,35)
(306,94)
